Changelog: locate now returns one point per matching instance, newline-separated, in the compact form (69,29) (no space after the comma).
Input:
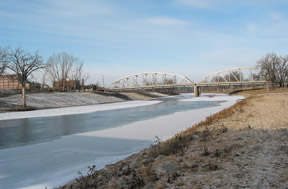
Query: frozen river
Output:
(48,151)
(19,132)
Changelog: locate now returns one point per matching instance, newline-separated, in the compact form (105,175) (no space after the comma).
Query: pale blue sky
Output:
(116,38)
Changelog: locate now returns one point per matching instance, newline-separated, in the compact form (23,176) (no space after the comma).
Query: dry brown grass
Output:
(177,144)
(218,116)
(174,146)
(248,93)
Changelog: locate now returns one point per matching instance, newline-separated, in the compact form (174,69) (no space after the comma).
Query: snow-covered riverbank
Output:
(54,163)
(61,100)
(74,110)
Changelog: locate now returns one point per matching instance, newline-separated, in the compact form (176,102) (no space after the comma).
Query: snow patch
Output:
(206,97)
(74,110)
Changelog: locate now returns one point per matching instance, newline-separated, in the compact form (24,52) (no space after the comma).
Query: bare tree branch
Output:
(23,64)
(63,66)
(274,68)
(3,60)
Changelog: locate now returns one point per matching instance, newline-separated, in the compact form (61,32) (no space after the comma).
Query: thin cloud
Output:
(276,16)
(203,4)
(231,4)
(73,8)
(197,3)
(234,57)
(274,24)
(166,21)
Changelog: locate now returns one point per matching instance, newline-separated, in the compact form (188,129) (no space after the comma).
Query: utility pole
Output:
(103,82)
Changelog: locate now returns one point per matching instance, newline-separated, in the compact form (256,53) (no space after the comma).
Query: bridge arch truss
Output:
(234,76)
(148,80)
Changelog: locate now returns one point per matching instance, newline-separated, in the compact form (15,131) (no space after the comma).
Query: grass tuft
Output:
(173,146)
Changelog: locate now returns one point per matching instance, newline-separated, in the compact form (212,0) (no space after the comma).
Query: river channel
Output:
(28,131)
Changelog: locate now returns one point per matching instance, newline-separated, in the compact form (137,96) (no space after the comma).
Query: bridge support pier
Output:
(196,91)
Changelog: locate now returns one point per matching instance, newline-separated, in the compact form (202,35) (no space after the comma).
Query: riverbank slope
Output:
(60,100)
(242,146)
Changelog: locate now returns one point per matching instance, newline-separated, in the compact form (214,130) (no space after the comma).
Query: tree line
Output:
(59,67)
(62,67)
(274,68)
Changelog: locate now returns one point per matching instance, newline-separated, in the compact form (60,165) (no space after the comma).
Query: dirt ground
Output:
(245,146)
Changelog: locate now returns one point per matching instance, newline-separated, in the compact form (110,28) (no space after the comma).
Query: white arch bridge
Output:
(158,80)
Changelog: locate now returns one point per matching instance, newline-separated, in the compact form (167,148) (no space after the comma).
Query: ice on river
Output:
(54,163)
(214,97)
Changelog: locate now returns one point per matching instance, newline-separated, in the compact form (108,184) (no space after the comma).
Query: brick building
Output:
(11,82)
(68,85)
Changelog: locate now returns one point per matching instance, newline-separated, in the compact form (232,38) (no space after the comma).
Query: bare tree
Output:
(23,64)
(234,76)
(64,66)
(217,78)
(168,81)
(59,67)
(53,69)
(3,60)
(42,77)
(274,68)
(282,71)
(78,74)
